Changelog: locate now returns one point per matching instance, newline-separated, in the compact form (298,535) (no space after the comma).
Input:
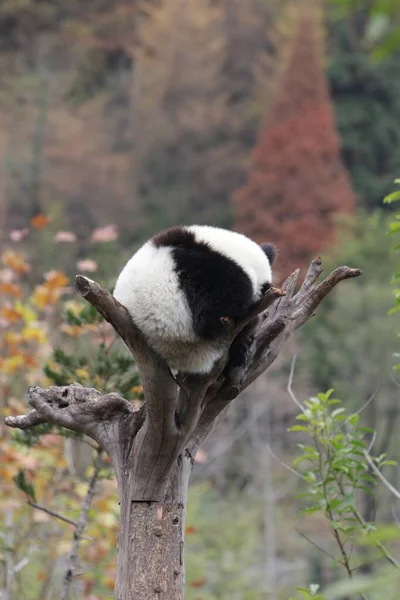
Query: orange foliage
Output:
(197,583)
(55,279)
(10,313)
(50,292)
(297,182)
(15,262)
(40,221)
(190,529)
(11,289)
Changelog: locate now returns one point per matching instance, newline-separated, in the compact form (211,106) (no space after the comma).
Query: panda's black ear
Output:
(270,251)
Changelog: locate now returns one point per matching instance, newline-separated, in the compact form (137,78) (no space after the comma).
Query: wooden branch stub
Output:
(314,271)
(32,419)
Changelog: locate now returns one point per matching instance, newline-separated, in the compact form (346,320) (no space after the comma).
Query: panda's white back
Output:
(148,287)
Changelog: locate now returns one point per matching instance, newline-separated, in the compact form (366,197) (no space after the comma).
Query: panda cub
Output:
(183,282)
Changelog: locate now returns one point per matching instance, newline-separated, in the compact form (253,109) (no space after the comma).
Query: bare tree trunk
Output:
(152,448)
(151,542)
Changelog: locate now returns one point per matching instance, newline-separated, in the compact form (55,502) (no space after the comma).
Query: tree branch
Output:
(52,513)
(80,409)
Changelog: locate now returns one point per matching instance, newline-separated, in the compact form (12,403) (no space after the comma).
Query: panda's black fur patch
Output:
(214,285)
(175,236)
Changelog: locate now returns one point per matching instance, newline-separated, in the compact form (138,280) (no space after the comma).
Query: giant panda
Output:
(182,286)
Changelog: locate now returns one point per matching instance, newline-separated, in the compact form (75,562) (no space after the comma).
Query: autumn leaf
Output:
(10,314)
(11,289)
(32,333)
(55,279)
(40,221)
(190,529)
(197,583)
(82,373)
(28,314)
(12,339)
(137,390)
(15,262)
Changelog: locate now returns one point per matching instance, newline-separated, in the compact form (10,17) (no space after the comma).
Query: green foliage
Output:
(23,485)
(310,594)
(366,97)
(382,30)
(88,315)
(112,370)
(336,476)
(336,465)
(351,340)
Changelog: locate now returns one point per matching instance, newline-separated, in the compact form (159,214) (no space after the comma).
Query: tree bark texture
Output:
(152,448)
(151,542)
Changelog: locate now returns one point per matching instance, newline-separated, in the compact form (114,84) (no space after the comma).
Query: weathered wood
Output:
(151,541)
(152,449)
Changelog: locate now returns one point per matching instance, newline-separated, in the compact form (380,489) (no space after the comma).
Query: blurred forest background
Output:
(278,118)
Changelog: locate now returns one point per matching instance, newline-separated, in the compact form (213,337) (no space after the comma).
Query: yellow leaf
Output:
(11,365)
(137,390)
(27,313)
(44,296)
(34,333)
(82,373)
(12,338)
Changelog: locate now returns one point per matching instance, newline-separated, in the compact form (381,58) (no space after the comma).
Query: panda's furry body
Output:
(184,281)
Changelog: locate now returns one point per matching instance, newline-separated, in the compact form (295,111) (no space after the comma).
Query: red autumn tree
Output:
(297,182)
